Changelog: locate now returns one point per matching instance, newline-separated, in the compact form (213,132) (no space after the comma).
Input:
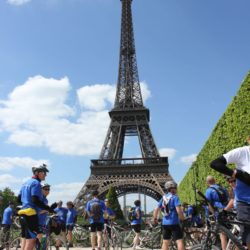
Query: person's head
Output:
(137,203)
(210,180)
(95,193)
(40,171)
(171,186)
(59,203)
(45,189)
(11,204)
(184,204)
(70,204)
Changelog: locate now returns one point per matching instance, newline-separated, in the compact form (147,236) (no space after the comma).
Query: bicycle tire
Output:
(52,242)
(202,247)
(236,243)
(16,243)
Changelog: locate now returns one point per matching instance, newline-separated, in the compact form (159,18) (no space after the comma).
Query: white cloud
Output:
(96,97)
(7,180)
(145,91)
(36,113)
(189,159)
(169,152)
(64,191)
(8,163)
(18,2)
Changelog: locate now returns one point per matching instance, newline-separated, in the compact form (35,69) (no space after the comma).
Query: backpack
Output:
(165,204)
(96,211)
(131,214)
(222,194)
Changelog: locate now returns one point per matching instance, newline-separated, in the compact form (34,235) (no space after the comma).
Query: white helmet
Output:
(170,184)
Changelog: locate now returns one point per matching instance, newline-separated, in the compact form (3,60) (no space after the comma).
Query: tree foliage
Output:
(8,195)
(230,132)
(114,203)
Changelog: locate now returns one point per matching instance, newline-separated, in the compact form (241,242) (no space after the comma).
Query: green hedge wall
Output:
(230,132)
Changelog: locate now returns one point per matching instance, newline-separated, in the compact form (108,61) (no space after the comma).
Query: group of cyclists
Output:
(35,208)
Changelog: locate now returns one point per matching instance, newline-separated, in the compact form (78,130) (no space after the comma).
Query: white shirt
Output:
(241,158)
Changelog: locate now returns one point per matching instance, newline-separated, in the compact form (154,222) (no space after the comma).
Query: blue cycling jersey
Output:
(71,215)
(213,197)
(30,188)
(172,217)
(61,212)
(42,217)
(103,208)
(137,221)
(7,215)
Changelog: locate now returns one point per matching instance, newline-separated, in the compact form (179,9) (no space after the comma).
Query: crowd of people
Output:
(35,208)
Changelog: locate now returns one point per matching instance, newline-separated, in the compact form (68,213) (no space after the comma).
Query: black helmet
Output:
(40,168)
(170,184)
(137,202)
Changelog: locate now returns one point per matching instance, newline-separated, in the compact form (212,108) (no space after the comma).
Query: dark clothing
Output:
(169,230)
(96,226)
(137,228)
(29,226)
(243,211)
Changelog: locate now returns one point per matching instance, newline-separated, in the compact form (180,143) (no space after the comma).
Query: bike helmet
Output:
(170,184)
(45,185)
(40,168)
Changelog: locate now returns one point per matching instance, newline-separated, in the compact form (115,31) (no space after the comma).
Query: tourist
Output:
(170,206)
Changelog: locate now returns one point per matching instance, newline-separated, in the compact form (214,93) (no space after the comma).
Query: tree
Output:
(114,203)
(7,195)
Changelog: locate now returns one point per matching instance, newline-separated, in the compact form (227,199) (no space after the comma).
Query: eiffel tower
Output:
(129,117)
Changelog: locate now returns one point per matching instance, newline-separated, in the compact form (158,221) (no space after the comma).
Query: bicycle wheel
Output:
(81,236)
(202,247)
(15,244)
(53,239)
(127,238)
(235,243)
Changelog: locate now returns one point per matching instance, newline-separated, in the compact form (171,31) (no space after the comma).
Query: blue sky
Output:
(58,73)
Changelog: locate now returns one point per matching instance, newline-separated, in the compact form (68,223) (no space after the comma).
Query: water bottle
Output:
(43,243)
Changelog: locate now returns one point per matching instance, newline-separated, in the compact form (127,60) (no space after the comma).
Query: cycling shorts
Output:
(96,226)
(29,226)
(137,228)
(169,230)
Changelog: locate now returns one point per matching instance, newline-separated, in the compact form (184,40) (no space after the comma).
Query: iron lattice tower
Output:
(129,117)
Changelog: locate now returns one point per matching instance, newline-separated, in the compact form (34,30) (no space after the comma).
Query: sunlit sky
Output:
(58,73)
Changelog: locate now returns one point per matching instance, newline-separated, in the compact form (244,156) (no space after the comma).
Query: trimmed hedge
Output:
(230,132)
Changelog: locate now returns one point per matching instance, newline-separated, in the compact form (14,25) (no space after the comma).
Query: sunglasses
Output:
(46,189)
(232,181)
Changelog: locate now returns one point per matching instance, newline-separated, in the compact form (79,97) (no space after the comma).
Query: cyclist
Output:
(95,209)
(109,216)
(6,223)
(172,214)
(136,224)
(61,212)
(241,158)
(218,197)
(32,202)
(70,221)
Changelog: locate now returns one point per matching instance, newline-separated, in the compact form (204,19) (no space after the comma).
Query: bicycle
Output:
(81,235)
(222,224)
(48,239)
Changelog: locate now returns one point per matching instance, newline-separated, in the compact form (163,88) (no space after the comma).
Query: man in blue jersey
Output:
(241,158)
(61,212)
(32,202)
(136,224)
(70,222)
(170,206)
(218,197)
(7,222)
(95,209)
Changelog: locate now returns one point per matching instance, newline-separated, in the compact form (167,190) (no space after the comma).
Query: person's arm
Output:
(40,204)
(180,214)
(230,205)
(220,165)
(155,214)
